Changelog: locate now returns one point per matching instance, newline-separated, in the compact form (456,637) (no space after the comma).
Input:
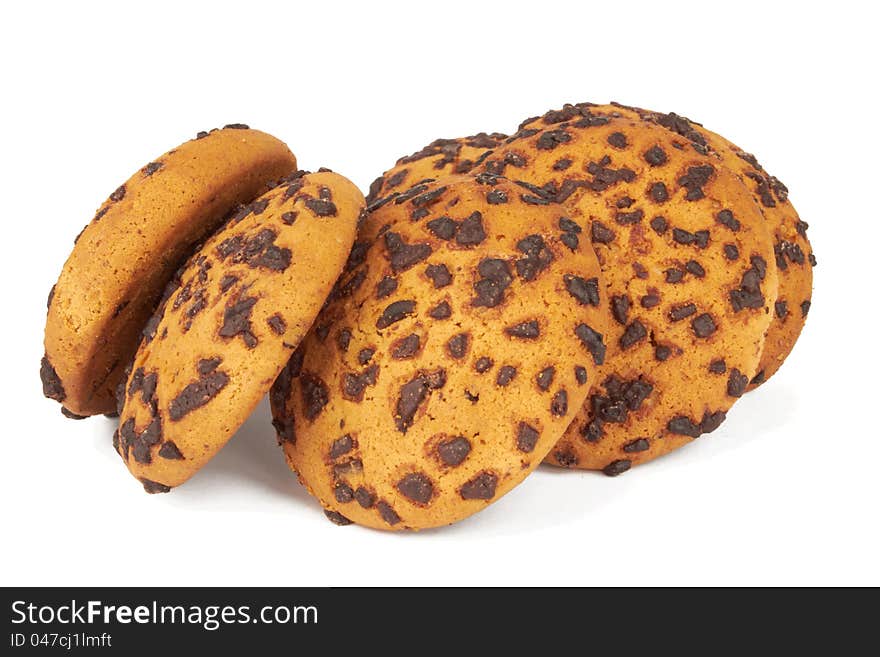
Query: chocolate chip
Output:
(405,347)
(343,493)
(731,252)
(481,487)
(633,333)
(682,236)
(649,300)
(118,194)
(151,168)
(528,330)
(562,164)
(726,218)
(662,352)
(736,383)
(495,278)
(637,445)
(443,227)
(413,394)
(457,345)
(416,487)
(439,275)
(197,394)
(395,312)
(315,395)
(337,518)
(154,487)
(71,415)
(712,421)
(559,404)
(526,437)
(805,307)
(403,255)
(683,426)
(354,385)
(703,325)
(385,287)
(471,231)
(617,139)
(341,446)
(277,324)
(655,156)
(694,179)
(483,364)
(538,257)
(550,139)
(425,198)
(620,305)
(364,355)
(52,387)
(592,340)
(387,513)
(170,451)
(506,374)
(781,308)
(617,467)
(658,194)
(580,374)
(718,366)
(256,251)
(678,313)
(758,379)
(496,197)
(321,207)
(627,218)
(601,234)
(545,378)
(695,268)
(674,275)
(237,320)
(454,451)
(441,311)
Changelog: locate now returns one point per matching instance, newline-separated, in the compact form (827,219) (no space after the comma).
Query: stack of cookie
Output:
(593,291)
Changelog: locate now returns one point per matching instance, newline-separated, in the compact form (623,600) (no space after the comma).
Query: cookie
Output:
(440,158)
(122,260)
(691,276)
(459,349)
(793,253)
(229,322)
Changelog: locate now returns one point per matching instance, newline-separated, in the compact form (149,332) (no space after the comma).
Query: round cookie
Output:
(441,157)
(792,250)
(122,260)
(229,322)
(691,278)
(462,346)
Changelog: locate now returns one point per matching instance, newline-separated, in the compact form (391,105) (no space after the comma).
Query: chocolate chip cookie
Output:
(124,257)
(690,272)
(462,339)
(228,323)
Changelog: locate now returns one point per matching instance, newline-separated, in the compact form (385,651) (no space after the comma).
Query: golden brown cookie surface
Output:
(442,157)
(792,250)
(122,260)
(229,323)
(691,280)
(460,347)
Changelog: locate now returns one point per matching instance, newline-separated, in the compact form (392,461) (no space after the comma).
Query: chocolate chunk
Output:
(227,282)
(683,426)
(364,355)
(439,275)
(658,194)
(483,364)
(605,177)
(650,300)
(413,394)
(655,156)
(545,378)
(395,312)
(678,313)
(416,487)
(736,383)
(496,197)
(592,340)
(712,421)
(289,218)
(315,395)
(321,207)
(620,306)
(385,287)
(154,487)
(586,291)
(197,394)
(118,194)
(726,218)
(506,374)
(703,325)
(682,236)
(695,268)
(454,451)
(151,168)
(718,366)
(277,324)
(237,320)
(71,415)
(495,278)
(731,252)
(365,497)
(52,386)
(805,307)
(580,374)
(528,330)
(256,251)
(405,347)
(781,308)
(562,164)
(559,404)
(457,345)
(759,378)
(617,467)
(627,218)
(617,139)
(550,139)
(481,487)
(353,385)
(341,446)
(526,437)
(169,450)
(343,493)
(387,513)
(471,231)
(694,179)
(443,227)
(662,352)
(674,275)
(601,234)
(441,311)
(538,257)
(633,333)
(403,255)
(425,198)
(637,445)
(337,518)
(566,458)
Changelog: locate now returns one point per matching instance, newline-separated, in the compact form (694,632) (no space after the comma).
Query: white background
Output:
(786,492)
